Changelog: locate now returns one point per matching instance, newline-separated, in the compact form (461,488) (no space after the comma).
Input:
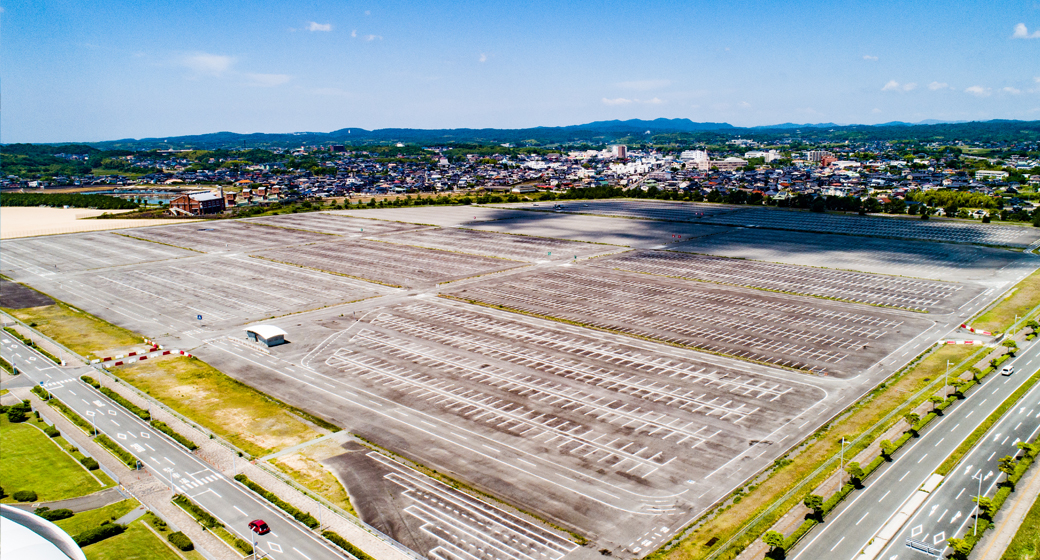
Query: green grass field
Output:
(31,461)
(1026,544)
(90,519)
(137,543)
(232,410)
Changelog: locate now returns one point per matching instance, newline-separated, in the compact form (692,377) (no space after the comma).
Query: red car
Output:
(259,527)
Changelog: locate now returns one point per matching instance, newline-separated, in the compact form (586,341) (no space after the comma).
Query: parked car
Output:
(1008,370)
(259,527)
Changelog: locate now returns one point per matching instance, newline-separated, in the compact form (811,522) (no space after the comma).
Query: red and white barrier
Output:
(975,342)
(972,329)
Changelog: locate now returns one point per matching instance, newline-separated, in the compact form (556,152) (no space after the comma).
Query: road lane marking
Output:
(883,497)
(837,543)
(862,518)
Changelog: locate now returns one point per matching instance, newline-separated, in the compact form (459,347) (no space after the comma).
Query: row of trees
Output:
(72,200)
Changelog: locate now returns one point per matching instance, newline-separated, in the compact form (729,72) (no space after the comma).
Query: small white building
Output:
(268,335)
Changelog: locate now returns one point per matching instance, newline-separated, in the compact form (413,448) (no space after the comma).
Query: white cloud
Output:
(876,111)
(938,85)
(373,37)
(1022,32)
(1011,90)
(868,57)
(353,33)
(654,101)
(483,58)
(893,85)
(208,64)
(745,104)
(618,101)
(315,26)
(978,91)
(267,80)
(644,85)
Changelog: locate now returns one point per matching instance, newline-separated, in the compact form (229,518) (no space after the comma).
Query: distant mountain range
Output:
(599,132)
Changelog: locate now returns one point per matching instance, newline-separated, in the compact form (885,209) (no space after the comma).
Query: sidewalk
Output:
(141,484)
(1010,518)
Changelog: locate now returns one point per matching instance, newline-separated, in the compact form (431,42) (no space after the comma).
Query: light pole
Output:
(946,378)
(979,498)
(841,463)
(93,423)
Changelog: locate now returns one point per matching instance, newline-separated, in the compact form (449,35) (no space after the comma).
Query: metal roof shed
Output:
(266,334)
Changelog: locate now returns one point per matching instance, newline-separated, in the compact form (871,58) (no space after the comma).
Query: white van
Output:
(1008,370)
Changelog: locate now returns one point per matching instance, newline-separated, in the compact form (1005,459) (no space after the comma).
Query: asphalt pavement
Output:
(233,505)
(949,508)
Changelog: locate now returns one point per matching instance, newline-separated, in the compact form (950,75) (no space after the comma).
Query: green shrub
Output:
(41,392)
(72,416)
(301,516)
(162,427)
(24,496)
(53,514)
(200,515)
(125,403)
(16,415)
(51,431)
(90,381)
(181,541)
(97,534)
(125,456)
(345,545)
(89,463)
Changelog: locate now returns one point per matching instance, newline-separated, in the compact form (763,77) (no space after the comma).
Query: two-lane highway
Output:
(855,523)
(234,506)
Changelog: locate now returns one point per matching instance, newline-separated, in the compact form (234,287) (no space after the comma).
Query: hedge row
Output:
(90,381)
(117,450)
(32,344)
(41,392)
(962,547)
(345,545)
(53,514)
(125,403)
(91,536)
(196,511)
(71,415)
(301,516)
(162,427)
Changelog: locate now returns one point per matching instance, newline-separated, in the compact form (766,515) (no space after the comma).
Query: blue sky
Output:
(107,69)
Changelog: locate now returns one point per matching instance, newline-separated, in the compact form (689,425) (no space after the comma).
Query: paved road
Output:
(949,508)
(234,506)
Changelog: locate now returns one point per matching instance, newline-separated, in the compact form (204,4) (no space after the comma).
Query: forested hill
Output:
(631,132)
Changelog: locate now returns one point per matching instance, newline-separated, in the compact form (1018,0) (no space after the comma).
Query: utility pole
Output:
(946,379)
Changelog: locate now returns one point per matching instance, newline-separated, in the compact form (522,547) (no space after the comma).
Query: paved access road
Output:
(949,508)
(234,506)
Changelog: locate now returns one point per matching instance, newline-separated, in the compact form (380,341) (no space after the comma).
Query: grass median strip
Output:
(210,523)
(951,462)
(301,516)
(122,454)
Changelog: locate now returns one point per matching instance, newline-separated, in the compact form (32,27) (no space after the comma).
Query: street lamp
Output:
(841,463)
(93,423)
(946,378)
(977,499)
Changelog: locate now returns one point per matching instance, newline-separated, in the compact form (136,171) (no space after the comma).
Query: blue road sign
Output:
(199,317)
